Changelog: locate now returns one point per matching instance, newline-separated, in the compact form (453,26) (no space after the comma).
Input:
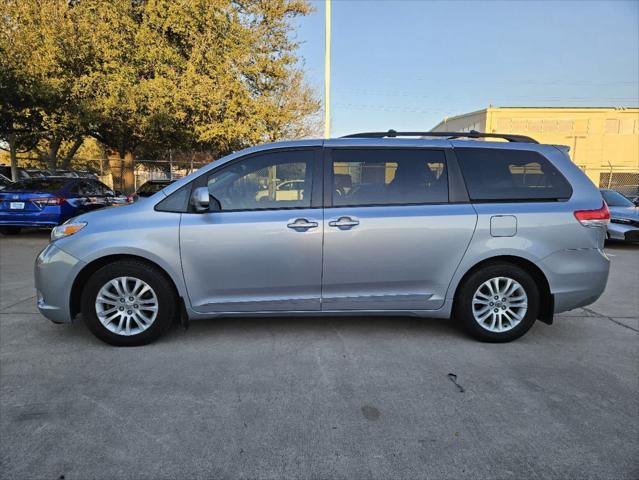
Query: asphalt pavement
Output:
(320,397)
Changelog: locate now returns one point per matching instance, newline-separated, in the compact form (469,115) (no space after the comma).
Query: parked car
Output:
(149,188)
(289,190)
(495,234)
(6,171)
(49,201)
(67,173)
(38,173)
(86,174)
(624,217)
(4,182)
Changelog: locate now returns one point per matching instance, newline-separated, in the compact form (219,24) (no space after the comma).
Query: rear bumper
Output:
(37,220)
(55,271)
(577,277)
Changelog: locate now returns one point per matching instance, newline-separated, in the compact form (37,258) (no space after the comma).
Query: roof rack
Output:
(448,135)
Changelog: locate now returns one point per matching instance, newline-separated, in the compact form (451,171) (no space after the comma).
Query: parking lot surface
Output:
(320,397)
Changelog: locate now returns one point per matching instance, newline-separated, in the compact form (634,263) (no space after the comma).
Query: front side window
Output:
(274,180)
(389,177)
(510,175)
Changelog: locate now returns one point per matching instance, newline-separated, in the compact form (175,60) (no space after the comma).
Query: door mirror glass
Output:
(200,199)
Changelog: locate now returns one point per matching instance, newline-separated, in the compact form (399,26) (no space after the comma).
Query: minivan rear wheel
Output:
(128,303)
(498,303)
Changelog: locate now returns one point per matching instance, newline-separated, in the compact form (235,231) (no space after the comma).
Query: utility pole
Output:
(327,70)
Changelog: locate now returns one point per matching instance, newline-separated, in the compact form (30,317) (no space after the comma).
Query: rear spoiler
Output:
(563,148)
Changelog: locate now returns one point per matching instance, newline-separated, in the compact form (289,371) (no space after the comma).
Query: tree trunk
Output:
(66,162)
(128,173)
(52,160)
(122,171)
(13,154)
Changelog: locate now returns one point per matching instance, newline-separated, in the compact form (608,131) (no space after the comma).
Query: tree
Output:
(153,75)
(40,46)
(19,121)
(181,75)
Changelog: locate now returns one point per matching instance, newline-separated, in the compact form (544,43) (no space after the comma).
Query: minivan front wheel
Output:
(128,303)
(498,303)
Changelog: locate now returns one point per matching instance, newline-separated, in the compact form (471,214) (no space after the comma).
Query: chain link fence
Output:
(112,172)
(622,178)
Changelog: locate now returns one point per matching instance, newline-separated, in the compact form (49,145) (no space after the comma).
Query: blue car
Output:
(49,201)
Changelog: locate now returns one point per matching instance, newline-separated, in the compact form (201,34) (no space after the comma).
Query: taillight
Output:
(594,218)
(131,198)
(47,201)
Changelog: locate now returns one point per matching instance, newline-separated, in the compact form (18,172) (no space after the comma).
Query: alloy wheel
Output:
(499,304)
(126,306)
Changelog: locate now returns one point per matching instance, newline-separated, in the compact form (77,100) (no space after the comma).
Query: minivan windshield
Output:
(616,199)
(47,185)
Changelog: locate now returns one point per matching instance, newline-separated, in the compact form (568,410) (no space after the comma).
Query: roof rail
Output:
(448,135)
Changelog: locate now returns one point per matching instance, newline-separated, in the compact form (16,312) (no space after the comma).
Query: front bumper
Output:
(55,271)
(577,277)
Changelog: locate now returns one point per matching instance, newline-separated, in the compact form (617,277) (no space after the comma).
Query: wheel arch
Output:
(546,298)
(90,268)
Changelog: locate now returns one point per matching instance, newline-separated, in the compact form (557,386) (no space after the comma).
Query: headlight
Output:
(66,229)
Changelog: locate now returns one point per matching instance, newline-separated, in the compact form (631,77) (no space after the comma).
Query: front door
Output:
(392,240)
(257,250)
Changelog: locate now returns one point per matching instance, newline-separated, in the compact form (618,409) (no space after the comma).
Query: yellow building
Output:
(604,142)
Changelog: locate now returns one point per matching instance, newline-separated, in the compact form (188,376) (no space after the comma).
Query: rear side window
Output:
(388,177)
(510,175)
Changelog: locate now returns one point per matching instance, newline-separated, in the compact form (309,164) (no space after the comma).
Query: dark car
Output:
(6,171)
(4,182)
(149,188)
(50,201)
(624,217)
(67,173)
(38,173)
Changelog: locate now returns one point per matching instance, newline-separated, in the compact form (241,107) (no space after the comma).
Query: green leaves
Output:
(155,74)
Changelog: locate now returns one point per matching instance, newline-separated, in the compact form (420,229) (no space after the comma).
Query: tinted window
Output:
(388,176)
(38,185)
(265,181)
(501,175)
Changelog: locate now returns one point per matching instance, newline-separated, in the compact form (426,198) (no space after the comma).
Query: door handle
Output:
(343,222)
(302,224)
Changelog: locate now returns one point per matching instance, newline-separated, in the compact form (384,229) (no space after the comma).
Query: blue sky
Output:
(408,64)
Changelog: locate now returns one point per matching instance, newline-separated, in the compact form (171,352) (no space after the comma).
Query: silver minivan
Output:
(496,234)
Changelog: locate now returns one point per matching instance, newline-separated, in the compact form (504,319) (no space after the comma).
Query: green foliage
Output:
(149,75)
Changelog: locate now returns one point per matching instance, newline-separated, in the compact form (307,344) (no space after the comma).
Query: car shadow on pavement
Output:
(200,331)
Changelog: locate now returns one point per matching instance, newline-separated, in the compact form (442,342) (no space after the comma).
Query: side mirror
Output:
(200,199)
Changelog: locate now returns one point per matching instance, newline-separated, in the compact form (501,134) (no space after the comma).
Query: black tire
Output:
(463,310)
(156,279)
(10,230)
